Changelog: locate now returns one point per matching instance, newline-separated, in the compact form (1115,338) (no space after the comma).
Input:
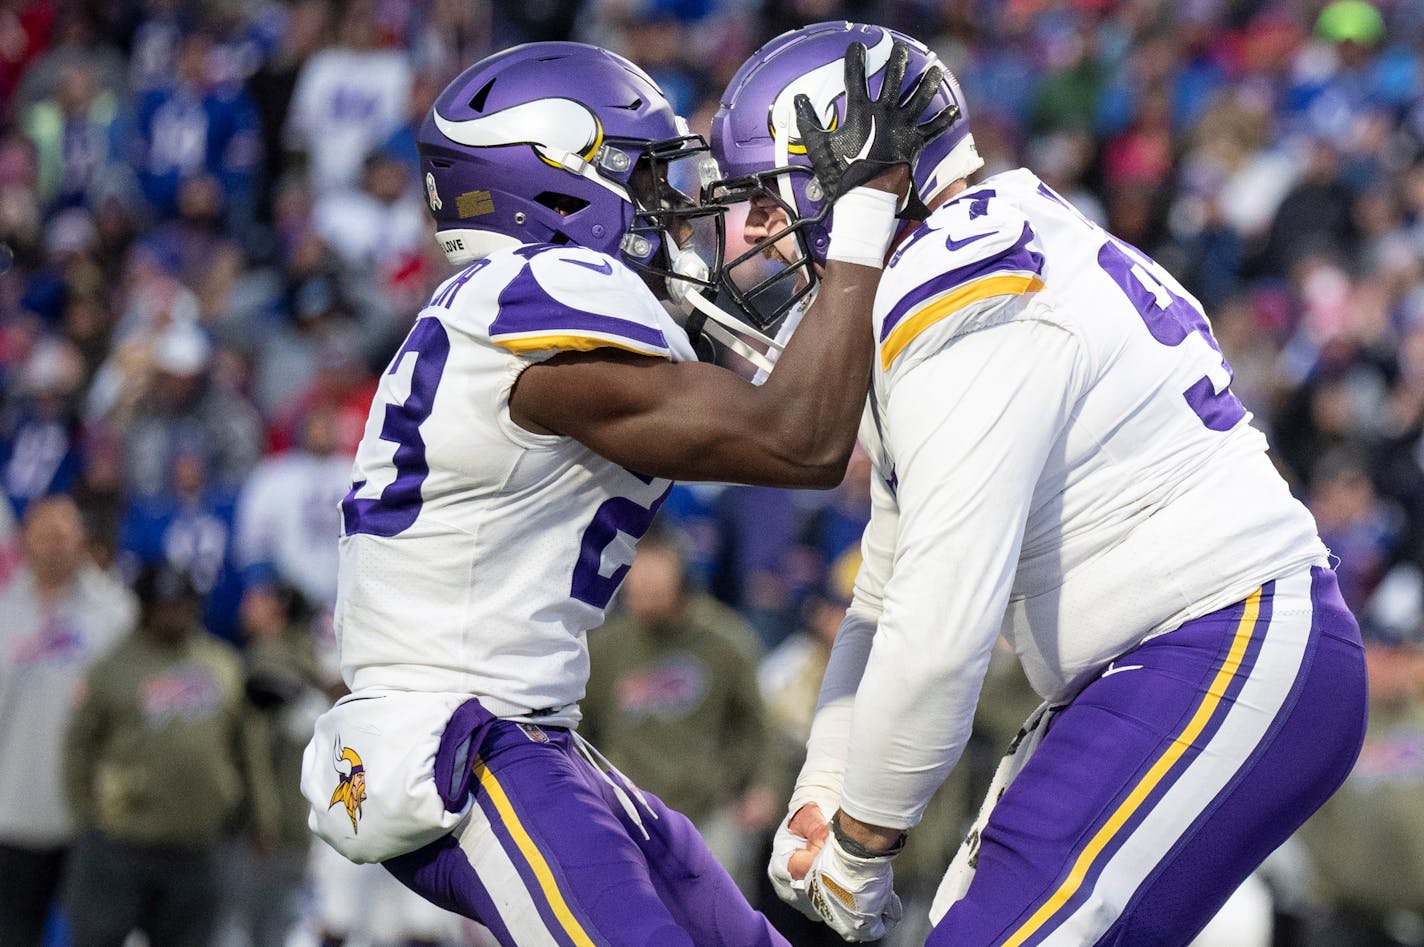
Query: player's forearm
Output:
(911,722)
(830,729)
(817,392)
(811,404)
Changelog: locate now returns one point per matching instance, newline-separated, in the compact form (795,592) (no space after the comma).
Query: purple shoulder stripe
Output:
(1016,258)
(526,307)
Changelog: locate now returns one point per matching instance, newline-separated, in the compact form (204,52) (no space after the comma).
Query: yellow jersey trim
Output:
(1144,787)
(521,345)
(950,303)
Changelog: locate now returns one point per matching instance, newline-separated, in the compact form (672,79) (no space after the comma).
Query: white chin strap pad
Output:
(724,327)
(686,263)
(686,295)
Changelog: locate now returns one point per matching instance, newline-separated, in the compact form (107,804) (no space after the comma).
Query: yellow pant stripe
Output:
(532,855)
(1180,744)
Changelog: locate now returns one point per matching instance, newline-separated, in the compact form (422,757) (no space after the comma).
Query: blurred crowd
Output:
(212,238)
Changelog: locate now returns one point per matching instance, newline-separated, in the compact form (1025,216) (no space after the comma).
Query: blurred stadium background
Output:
(214,238)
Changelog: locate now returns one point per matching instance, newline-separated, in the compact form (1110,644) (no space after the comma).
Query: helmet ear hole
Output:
(564,204)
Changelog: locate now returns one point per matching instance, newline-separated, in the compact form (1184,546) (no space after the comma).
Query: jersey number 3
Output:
(421,362)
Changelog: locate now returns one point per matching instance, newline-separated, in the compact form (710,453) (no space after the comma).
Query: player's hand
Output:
(876,135)
(855,896)
(794,847)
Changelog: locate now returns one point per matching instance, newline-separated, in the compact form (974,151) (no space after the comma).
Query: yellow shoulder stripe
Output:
(574,343)
(1006,284)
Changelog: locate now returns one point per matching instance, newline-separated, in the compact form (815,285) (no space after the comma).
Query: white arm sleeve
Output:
(830,729)
(970,429)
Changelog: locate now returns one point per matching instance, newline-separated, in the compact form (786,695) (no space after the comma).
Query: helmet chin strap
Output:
(716,327)
(687,295)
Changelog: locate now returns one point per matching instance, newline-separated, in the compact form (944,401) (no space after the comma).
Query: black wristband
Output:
(851,847)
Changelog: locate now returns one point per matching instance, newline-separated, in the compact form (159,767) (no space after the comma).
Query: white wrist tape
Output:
(862,225)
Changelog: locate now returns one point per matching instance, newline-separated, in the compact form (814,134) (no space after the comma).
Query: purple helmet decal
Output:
(554,143)
(754,132)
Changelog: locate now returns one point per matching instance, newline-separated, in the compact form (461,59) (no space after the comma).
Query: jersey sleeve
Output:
(575,299)
(985,264)
(830,728)
(971,431)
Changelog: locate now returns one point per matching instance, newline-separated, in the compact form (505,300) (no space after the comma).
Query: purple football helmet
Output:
(757,145)
(563,143)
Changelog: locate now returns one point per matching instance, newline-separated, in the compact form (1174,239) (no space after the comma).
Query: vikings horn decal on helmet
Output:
(756,143)
(565,143)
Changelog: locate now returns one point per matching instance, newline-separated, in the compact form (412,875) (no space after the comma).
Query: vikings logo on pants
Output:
(351,788)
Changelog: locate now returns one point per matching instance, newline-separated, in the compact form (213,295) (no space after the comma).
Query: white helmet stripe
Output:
(823,85)
(561,124)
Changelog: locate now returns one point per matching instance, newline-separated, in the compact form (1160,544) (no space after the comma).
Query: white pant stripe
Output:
(501,878)
(1261,698)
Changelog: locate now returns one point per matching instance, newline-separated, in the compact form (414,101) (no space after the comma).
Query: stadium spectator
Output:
(288,510)
(39,432)
(348,100)
(77,39)
(1368,841)
(165,394)
(287,689)
(189,527)
(673,686)
(77,134)
(381,227)
(194,124)
(161,757)
(61,614)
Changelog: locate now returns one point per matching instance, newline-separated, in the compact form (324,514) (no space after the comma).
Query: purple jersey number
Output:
(613,516)
(395,510)
(1172,319)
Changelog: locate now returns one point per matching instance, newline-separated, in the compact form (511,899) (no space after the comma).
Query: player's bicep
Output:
(683,420)
(975,426)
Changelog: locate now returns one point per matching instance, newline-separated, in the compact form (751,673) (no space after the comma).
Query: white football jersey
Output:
(1059,460)
(475,554)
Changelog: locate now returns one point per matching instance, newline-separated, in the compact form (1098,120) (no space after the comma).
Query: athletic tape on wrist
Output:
(851,847)
(862,226)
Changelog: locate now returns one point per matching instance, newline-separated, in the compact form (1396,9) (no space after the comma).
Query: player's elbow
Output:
(826,476)
(808,465)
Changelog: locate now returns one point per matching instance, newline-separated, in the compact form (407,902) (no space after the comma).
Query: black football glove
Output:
(875,135)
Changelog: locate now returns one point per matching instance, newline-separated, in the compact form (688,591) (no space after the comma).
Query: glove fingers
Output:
(808,123)
(947,116)
(856,90)
(894,73)
(925,88)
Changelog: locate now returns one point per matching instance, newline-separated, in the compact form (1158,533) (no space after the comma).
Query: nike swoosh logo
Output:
(952,244)
(1114,669)
(869,141)
(605,267)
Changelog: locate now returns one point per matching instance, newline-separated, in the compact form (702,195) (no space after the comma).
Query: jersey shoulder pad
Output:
(976,262)
(568,298)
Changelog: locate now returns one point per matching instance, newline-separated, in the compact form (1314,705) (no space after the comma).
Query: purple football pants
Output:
(1171,776)
(550,856)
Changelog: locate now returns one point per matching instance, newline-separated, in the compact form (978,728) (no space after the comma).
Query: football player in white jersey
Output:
(1059,459)
(520,442)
